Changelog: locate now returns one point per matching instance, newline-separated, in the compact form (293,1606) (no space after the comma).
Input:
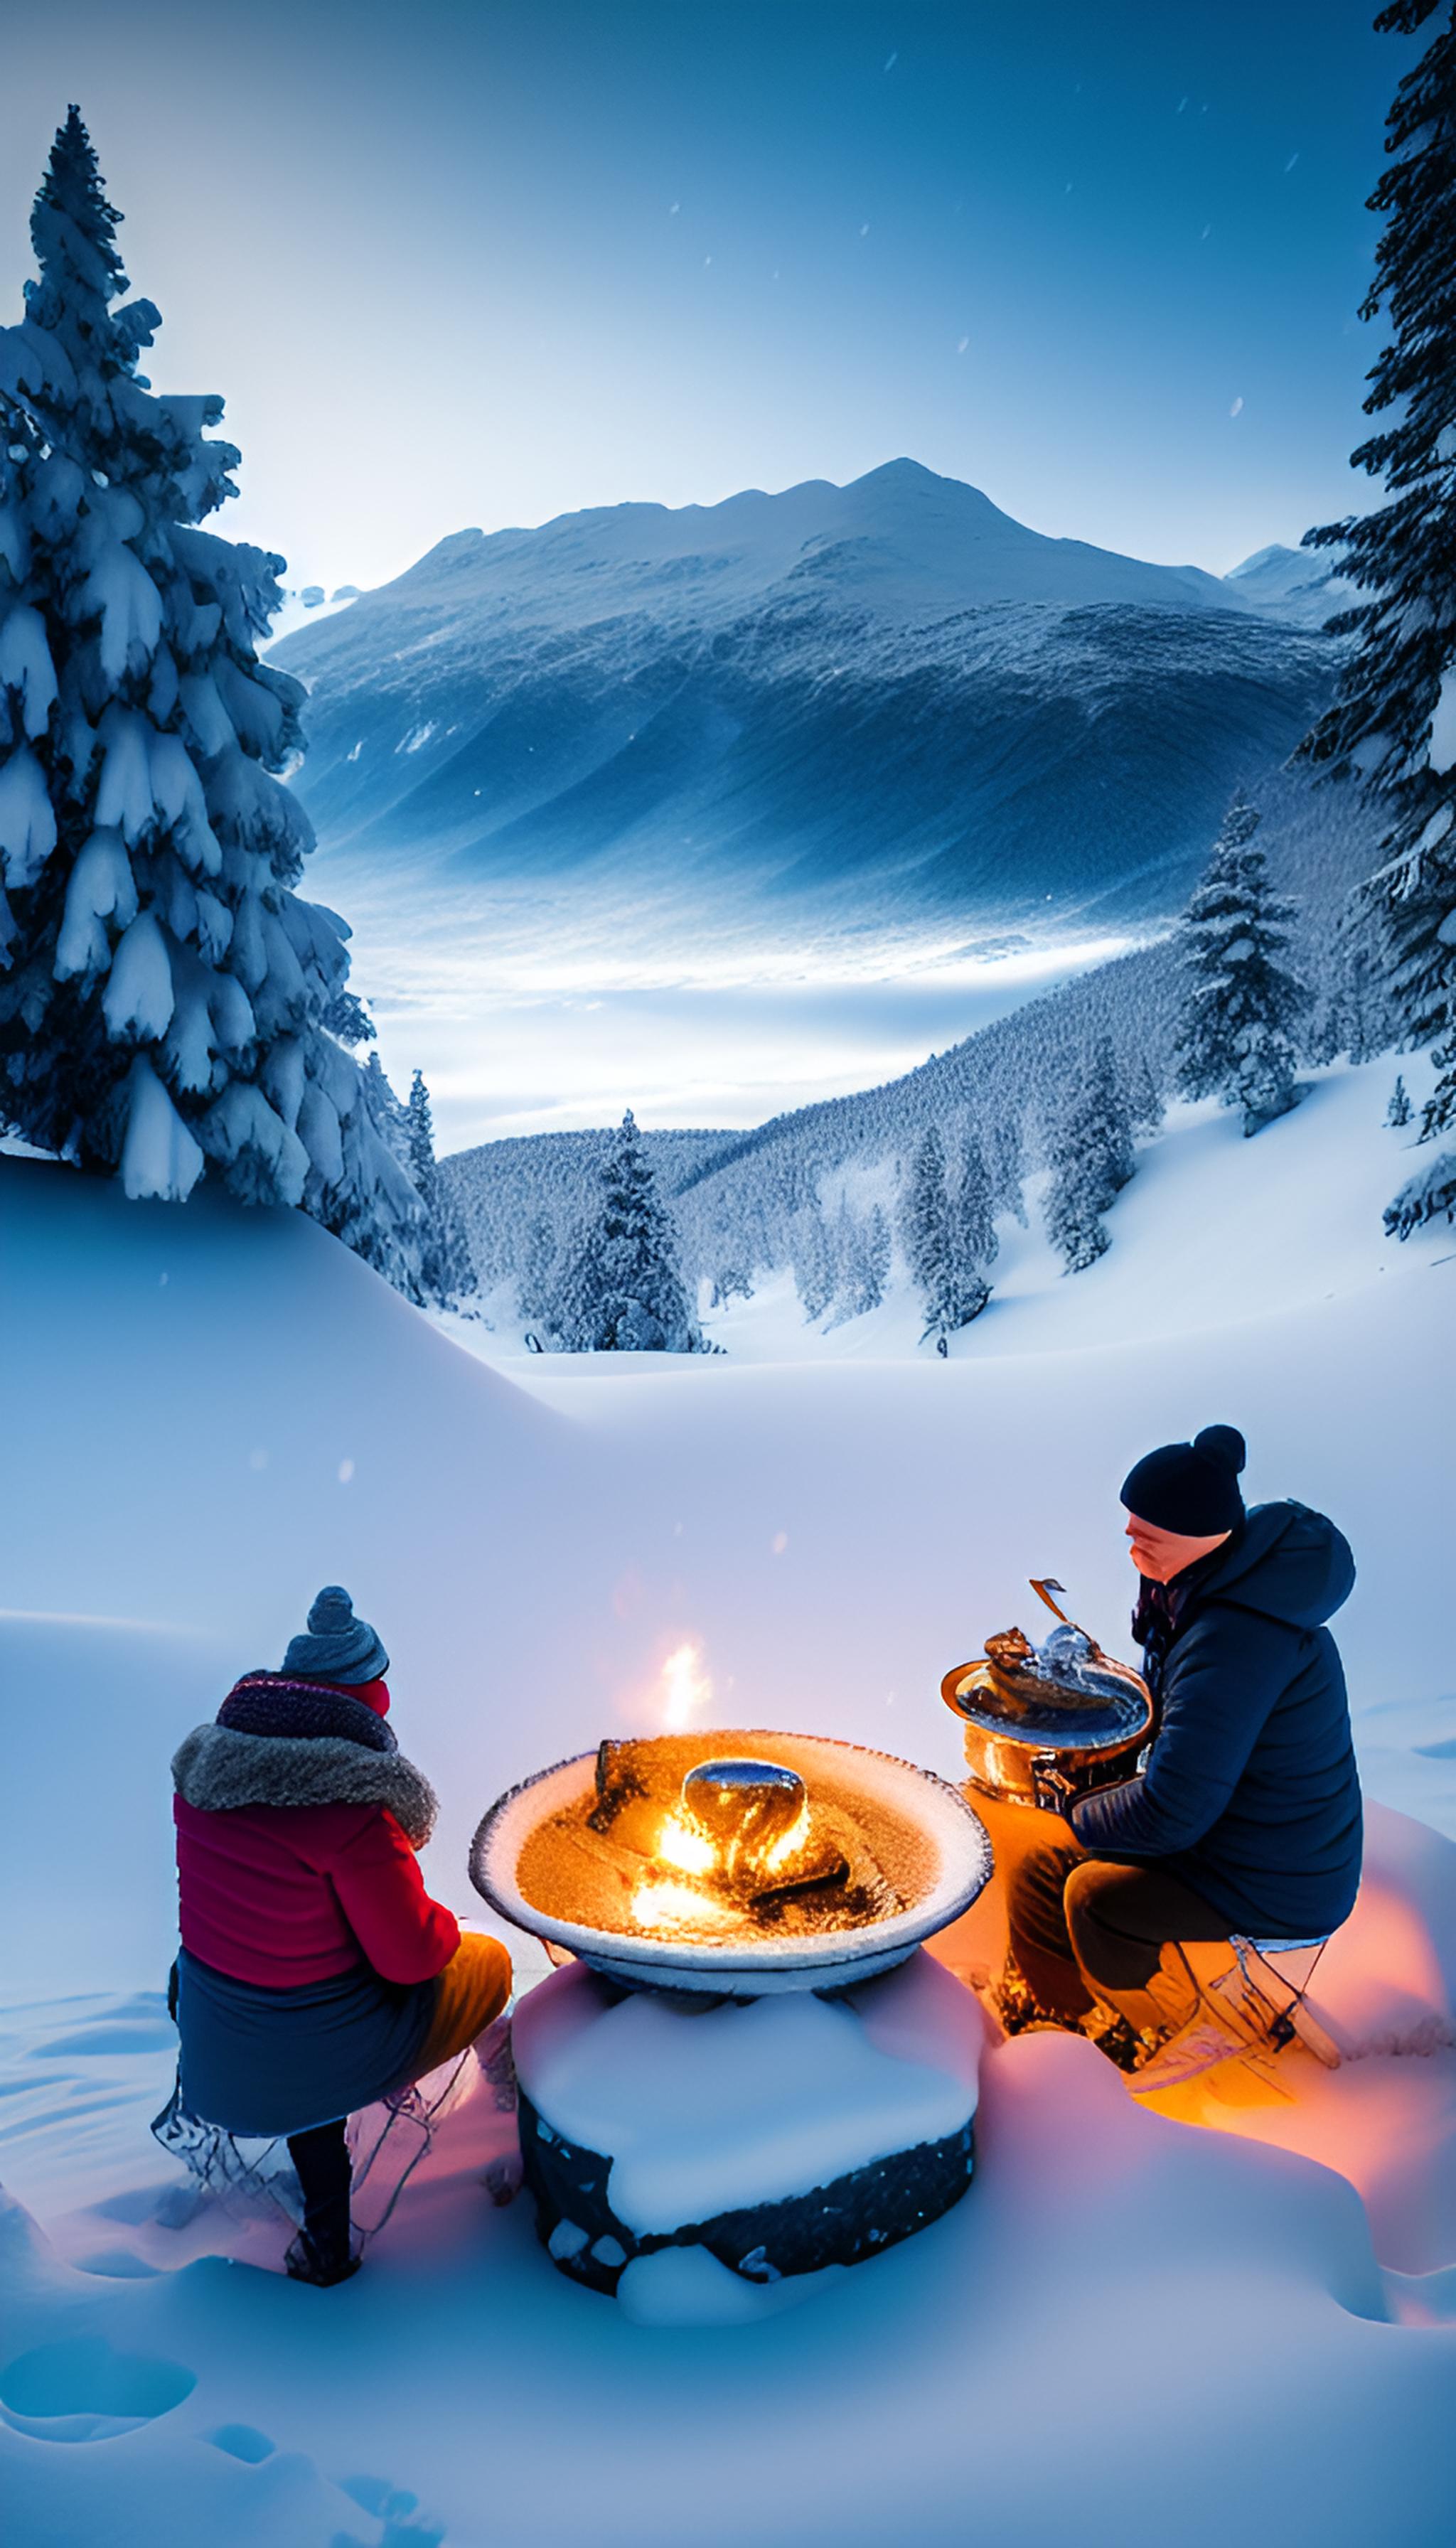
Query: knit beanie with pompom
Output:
(337,1646)
(1190,1486)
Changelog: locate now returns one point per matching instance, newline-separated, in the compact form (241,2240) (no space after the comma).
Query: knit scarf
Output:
(278,1703)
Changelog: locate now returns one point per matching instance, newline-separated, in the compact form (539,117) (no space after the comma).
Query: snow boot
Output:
(307,2262)
(321,2253)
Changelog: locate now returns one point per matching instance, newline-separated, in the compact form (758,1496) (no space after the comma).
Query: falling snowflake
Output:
(1206,229)
(890,64)
(1290,161)
(863,230)
(1237,408)
(965,341)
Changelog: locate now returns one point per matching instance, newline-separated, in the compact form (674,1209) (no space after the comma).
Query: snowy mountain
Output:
(873,702)
(1297,586)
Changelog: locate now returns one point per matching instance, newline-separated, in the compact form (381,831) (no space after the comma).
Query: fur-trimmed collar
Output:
(218,1770)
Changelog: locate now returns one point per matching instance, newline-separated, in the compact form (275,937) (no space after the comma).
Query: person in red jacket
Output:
(315,1973)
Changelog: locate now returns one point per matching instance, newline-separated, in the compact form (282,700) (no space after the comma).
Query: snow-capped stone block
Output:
(777,2137)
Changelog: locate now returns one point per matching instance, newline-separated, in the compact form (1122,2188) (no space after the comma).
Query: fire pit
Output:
(751,2075)
(738,1862)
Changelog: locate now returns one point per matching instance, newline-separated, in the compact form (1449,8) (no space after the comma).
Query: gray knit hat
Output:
(337,1646)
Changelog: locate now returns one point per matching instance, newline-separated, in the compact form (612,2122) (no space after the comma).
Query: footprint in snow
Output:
(83,2390)
(405,2525)
(117,2264)
(242,2443)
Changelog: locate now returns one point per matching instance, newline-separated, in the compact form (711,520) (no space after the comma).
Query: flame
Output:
(683,1845)
(788,1844)
(662,1904)
(687,1688)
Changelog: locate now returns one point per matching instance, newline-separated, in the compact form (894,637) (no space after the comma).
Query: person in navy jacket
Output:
(1246,1820)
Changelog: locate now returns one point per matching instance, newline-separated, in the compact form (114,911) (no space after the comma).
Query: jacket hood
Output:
(1289,1563)
(218,1770)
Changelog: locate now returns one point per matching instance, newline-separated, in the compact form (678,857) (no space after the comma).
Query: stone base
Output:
(708,2101)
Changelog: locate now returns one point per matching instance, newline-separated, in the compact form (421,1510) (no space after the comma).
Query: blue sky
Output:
(482,262)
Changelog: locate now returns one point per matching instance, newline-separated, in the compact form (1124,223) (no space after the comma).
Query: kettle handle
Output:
(1044,1586)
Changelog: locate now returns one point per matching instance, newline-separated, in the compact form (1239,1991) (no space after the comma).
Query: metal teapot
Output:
(1045,1725)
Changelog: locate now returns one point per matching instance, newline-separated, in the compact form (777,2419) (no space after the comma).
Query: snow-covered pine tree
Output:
(970,1232)
(924,1233)
(387,1111)
(166,1000)
(1145,1098)
(446,1269)
(1242,1005)
(811,1253)
(621,1288)
(1005,1149)
(1092,1159)
(535,1284)
(1397,1113)
(1392,723)
(862,1260)
(731,1283)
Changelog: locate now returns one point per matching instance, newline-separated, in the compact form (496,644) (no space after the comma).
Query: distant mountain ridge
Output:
(878,704)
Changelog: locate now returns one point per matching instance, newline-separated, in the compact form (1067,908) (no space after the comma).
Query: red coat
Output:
(287,1894)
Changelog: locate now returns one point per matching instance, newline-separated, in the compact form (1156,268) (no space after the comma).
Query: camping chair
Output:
(1250,2002)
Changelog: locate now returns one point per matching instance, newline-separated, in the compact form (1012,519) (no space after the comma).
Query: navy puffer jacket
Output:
(1252,1793)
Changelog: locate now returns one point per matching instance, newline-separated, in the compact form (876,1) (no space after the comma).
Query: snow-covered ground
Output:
(1128,2323)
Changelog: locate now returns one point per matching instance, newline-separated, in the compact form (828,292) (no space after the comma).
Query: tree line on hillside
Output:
(172,1006)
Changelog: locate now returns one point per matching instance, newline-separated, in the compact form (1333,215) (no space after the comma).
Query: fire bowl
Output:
(736,1863)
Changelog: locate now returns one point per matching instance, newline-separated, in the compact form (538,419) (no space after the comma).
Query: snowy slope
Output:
(890,686)
(827,1538)
(1213,1231)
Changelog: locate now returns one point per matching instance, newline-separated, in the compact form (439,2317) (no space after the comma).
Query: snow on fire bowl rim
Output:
(747,1972)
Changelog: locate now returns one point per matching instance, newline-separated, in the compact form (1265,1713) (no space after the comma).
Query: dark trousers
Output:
(321,2159)
(1081,1927)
